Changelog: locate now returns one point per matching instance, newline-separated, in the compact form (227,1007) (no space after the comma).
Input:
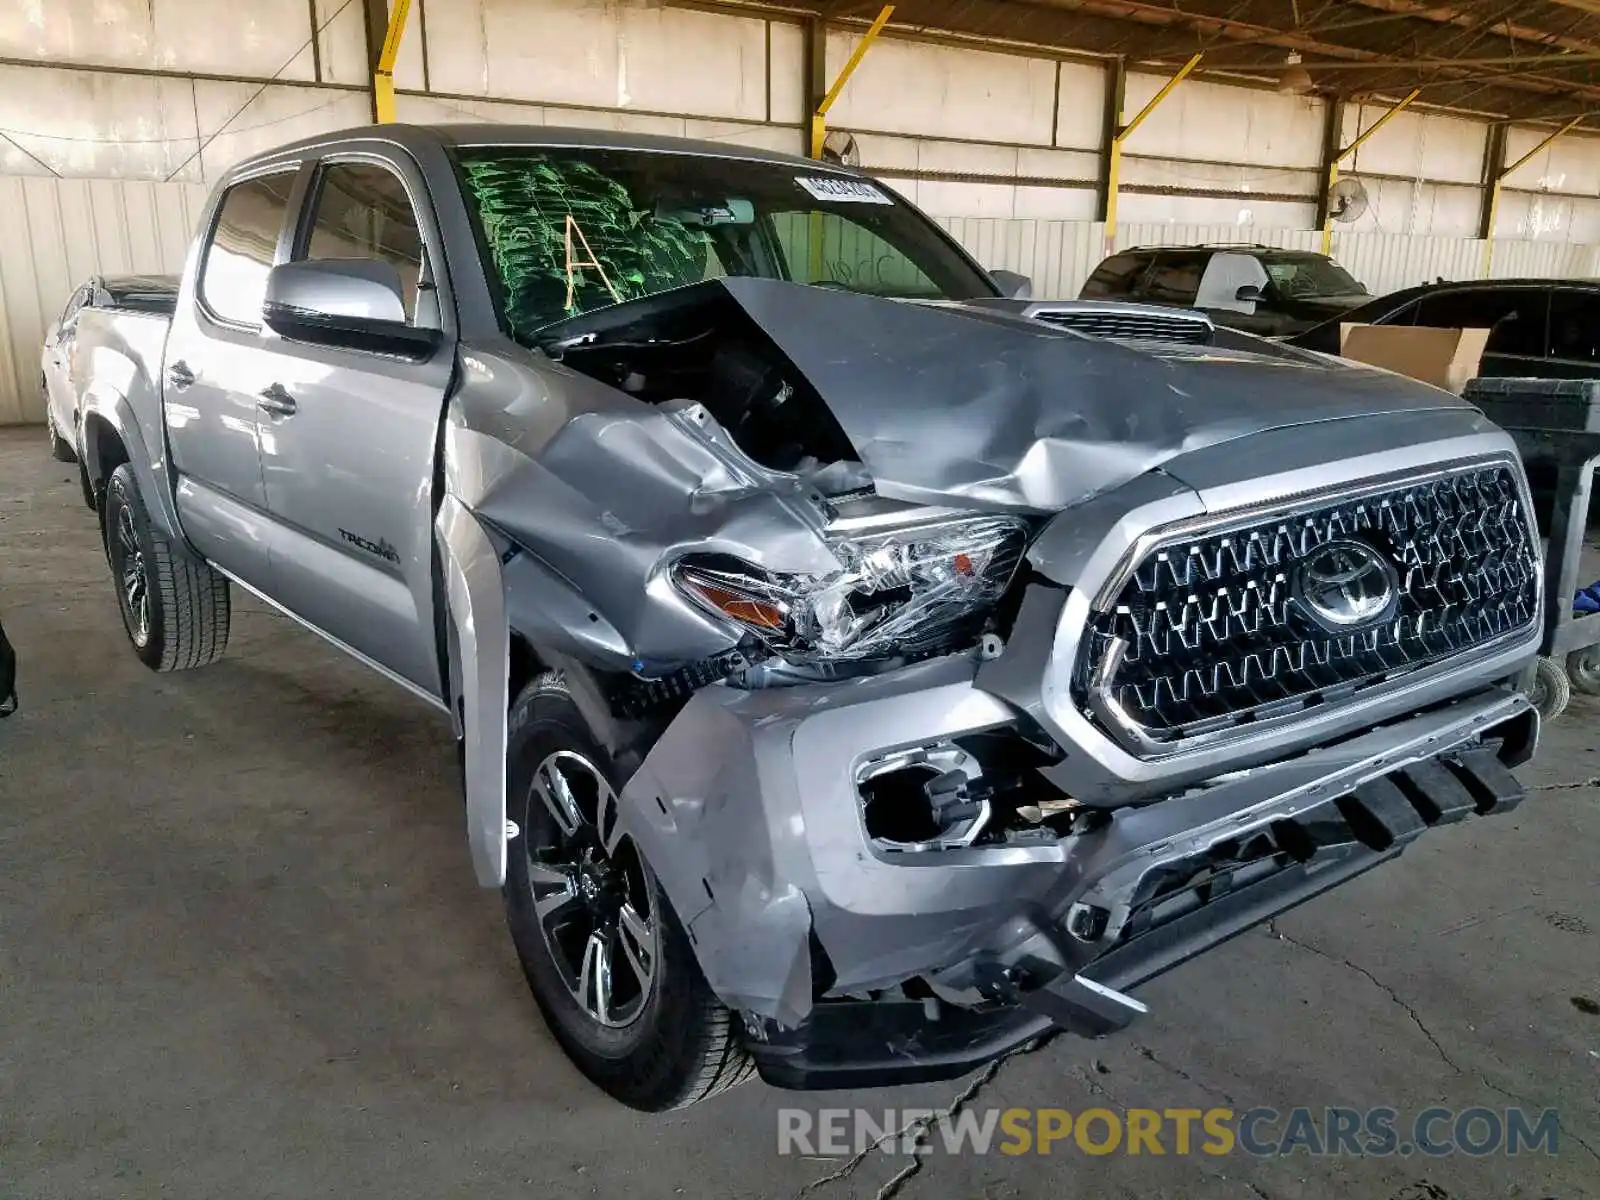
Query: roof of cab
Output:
(488,134)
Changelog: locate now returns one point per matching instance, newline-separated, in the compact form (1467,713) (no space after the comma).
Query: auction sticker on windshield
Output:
(849,191)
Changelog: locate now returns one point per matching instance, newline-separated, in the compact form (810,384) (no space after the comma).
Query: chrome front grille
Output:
(1213,630)
(1191,330)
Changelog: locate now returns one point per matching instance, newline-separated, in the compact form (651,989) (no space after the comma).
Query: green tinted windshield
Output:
(570,230)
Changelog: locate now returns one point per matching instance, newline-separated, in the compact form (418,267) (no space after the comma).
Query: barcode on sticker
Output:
(848,191)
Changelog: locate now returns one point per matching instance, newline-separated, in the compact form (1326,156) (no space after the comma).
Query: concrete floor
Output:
(241,954)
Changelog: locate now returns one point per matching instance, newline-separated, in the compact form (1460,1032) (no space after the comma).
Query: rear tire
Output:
(175,608)
(666,1041)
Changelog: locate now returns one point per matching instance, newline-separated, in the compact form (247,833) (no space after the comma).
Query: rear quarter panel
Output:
(118,374)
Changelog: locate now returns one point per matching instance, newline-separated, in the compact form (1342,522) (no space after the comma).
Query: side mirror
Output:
(1248,294)
(351,303)
(1012,285)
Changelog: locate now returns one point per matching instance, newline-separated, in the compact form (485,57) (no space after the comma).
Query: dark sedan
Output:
(1546,328)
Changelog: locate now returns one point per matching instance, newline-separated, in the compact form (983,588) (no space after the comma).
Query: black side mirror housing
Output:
(352,303)
(1013,285)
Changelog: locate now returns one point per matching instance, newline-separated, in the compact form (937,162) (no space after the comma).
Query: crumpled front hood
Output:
(947,404)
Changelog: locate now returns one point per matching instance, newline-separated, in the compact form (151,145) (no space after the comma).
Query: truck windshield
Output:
(567,231)
(1308,276)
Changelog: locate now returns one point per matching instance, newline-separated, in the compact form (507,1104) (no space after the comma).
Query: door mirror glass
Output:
(1012,284)
(354,303)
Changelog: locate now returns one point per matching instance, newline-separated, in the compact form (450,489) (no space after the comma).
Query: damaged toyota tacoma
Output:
(858,670)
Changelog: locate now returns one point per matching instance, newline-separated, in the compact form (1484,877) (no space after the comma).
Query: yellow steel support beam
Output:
(1114,156)
(1333,167)
(1166,90)
(819,119)
(383,72)
(1564,130)
(1492,203)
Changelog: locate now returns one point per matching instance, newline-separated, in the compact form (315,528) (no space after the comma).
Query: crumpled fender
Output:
(480,655)
(529,544)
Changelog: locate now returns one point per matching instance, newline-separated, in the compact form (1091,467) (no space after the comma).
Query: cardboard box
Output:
(1446,358)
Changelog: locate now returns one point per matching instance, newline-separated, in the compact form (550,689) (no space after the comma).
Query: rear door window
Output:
(244,243)
(1575,326)
(1175,278)
(1515,317)
(1117,276)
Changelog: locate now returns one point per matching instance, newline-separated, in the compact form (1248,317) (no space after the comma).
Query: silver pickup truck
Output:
(859,671)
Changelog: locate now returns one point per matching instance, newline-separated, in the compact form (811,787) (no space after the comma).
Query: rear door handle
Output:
(275,399)
(179,375)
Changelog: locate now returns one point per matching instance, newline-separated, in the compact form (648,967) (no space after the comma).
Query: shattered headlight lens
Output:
(907,591)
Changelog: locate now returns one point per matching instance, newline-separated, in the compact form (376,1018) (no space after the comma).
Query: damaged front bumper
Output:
(859,964)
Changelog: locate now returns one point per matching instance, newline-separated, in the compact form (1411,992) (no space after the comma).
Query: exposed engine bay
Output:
(699,343)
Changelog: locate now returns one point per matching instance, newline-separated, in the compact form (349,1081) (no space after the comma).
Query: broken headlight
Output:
(906,592)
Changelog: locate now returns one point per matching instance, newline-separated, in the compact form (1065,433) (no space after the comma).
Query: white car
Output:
(139,293)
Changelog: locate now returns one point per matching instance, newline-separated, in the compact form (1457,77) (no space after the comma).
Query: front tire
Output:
(175,608)
(608,963)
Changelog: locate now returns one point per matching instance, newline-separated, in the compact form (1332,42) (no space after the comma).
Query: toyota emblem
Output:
(1346,584)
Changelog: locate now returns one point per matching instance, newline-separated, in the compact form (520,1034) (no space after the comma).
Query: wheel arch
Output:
(112,436)
(104,450)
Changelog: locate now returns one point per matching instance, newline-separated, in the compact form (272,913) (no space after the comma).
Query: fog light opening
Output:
(923,799)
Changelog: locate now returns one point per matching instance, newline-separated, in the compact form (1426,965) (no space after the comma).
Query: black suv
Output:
(1547,328)
(1255,288)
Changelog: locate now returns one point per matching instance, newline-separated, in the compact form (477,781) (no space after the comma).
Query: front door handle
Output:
(179,375)
(275,399)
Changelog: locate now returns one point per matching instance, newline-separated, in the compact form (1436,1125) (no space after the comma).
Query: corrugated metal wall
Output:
(1544,260)
(1386,261)
(54,234)
(1056,255)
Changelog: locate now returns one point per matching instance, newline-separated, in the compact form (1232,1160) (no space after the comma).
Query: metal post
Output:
(815,81)
(1112,152)
(1325,204)
(1494,170)
(388,50)
(1332,132)
(819,114)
